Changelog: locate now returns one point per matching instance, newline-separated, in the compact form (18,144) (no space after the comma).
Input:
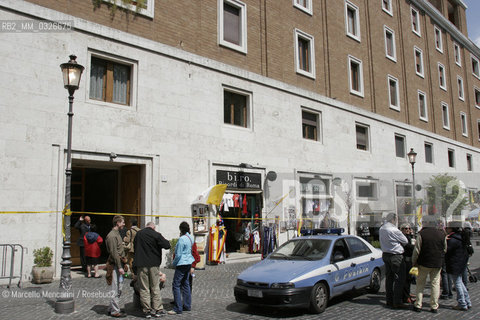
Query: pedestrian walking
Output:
(456,260)
(115,266)
(407,256)
(83,225)
(91,243)
(392,241)
(467,234)
(148,245)
(427,256)
(183,262)
(128,239)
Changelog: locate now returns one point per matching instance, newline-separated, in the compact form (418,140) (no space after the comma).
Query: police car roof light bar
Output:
(312,232)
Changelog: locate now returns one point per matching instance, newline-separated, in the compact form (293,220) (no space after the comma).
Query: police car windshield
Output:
(302,249)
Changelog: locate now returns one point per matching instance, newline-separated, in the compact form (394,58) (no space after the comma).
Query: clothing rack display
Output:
(269,242)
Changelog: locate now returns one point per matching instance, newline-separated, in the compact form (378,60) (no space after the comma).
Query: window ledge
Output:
(110,104)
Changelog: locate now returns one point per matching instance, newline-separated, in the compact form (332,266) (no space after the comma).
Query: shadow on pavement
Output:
(272,312)
(100,309)
(269,312)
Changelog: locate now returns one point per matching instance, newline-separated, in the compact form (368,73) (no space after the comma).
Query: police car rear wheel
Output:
(319,298)
(375,281)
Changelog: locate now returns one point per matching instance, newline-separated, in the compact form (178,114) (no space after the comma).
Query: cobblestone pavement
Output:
(213,299)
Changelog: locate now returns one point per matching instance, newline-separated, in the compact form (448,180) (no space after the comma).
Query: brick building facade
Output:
(177,91)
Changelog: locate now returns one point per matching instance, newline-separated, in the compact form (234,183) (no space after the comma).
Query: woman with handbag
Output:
(183,262)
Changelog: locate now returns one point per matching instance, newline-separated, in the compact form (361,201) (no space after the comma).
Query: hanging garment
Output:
(236,203)
(229,199)
(213,241)
(324,205)
(244,204)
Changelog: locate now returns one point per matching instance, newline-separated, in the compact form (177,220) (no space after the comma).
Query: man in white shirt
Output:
(392,241)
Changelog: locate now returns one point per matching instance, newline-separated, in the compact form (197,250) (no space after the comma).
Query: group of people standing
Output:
(89,243)
(139,254)
(432,248)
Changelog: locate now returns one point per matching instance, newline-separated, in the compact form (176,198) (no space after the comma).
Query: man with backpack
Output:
(129,239)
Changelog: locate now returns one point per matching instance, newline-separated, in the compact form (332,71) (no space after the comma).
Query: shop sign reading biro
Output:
(239,180)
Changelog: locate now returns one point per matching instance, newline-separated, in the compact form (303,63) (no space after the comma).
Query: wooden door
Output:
(130,193)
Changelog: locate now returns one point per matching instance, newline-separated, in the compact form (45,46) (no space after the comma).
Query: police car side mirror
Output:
(338,256)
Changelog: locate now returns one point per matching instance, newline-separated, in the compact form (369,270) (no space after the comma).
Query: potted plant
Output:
(173,243)
(42,270)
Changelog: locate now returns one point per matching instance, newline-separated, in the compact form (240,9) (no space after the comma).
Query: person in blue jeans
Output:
(456,260)
(183,261)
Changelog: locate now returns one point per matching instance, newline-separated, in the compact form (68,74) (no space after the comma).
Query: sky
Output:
(473,20)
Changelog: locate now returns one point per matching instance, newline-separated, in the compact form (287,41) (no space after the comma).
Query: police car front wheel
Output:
(319,298)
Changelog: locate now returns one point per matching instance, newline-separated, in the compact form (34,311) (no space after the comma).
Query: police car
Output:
(307,271)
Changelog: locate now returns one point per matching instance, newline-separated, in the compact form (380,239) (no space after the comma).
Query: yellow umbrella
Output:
(213,195)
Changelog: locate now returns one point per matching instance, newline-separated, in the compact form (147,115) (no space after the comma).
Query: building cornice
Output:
(443,22)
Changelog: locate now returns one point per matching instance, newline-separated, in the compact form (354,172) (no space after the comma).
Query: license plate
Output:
(254,293)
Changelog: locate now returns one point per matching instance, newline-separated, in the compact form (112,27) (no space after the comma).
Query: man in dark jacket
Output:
(456,260)
(429,249)
(83,226)
(148,246)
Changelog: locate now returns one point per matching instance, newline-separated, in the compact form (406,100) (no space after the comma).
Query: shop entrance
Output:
(103,189)
(241,220)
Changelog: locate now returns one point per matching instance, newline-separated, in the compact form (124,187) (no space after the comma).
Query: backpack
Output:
(129,246)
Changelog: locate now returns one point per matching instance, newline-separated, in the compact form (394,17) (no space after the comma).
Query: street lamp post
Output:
(72,72)
(412,155)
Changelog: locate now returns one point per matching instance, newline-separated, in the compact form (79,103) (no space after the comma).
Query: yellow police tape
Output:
(69,212)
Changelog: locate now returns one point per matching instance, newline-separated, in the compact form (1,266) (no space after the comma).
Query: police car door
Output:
(361,261)
(342,268)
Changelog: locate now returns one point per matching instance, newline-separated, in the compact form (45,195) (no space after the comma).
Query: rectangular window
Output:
(438,39)
(442,81)
(445,116)
(403,190)
(477,97)
(469,162)
(352,20)
(367,189)
(428,152)
(415,21)
(304,5)
(400,146)
(146,8)
(418,61)
(461,93)
(478,129)
(422,106)
(233,24)
(236,108)
(387,6)
(110,81)
(390,49)
(311,125)
(362,137)
(356,76)
(304,53)
(393,93)
(463,120)
(451,158)
(475,67)
(457,54)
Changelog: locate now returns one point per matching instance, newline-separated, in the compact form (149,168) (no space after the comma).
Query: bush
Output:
(173,243)
(376,244)
(43,257)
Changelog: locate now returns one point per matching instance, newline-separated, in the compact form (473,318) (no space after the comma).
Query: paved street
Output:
(213,299)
